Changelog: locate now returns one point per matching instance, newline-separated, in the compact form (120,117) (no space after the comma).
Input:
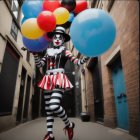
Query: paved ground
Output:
(36,129)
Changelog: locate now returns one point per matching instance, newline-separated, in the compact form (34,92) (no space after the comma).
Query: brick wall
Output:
(126,16)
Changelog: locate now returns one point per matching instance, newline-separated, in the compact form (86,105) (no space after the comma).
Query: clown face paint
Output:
(58,40)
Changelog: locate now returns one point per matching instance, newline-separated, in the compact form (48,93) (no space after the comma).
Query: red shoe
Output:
(47,137)
(69,130)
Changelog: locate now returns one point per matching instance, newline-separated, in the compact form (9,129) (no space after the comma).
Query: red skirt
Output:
(50,82)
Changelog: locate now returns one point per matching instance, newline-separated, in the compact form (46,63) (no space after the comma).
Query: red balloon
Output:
(51,5)
(80,6)
(46,21)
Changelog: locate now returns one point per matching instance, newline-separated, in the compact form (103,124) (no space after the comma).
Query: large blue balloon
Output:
(36,45)
(32,8)
(93,32)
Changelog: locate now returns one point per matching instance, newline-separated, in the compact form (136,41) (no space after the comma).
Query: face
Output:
(58,40)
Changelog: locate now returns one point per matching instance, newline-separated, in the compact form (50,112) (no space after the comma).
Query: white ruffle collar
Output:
(55,51)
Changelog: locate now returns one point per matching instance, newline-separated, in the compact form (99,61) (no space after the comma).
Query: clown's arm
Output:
(40,62)
(75,60)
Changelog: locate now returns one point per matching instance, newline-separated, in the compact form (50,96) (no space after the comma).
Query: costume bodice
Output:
(56,58)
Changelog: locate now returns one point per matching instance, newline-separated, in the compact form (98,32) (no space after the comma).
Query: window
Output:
(14,30)
(15,8)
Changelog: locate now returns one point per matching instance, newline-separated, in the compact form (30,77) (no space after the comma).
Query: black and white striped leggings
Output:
(52,105)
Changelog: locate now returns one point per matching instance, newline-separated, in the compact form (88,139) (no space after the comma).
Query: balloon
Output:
(93,32)
(51,5)
(46,21)
(62,15)
(31,30)
(71,18)
(36,45)
(31,8)
(23,20)
(68,4)
(68,23)
(81,5)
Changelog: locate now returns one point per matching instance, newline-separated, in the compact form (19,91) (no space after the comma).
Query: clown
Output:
(55,82)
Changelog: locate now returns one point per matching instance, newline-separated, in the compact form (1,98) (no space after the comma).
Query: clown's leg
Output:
(56,108)
(49,118)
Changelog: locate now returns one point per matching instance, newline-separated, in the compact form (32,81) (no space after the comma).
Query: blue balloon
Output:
(32,8)
(36,45)
(71,18)
(93,32)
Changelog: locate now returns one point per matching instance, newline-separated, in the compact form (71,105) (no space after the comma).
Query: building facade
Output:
(110,83)
(16,68)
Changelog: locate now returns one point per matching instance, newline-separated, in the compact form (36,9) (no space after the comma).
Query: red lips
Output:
(57,42)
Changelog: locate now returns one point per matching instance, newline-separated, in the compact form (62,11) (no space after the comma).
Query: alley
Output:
(81,54)
(35,130)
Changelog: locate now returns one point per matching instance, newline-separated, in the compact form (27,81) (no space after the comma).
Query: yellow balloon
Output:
(31,30)
(62,15)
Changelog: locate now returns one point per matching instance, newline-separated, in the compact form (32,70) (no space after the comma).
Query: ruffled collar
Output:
(55,51)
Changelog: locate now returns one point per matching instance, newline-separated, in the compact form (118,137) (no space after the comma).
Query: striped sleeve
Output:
(74,59)
(40,62)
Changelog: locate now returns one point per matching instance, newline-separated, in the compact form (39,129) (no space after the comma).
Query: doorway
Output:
(8,77)
(21,95)
(27,98)
(120,94)
(97,89)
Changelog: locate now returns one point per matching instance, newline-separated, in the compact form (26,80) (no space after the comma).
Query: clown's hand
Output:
(85,58)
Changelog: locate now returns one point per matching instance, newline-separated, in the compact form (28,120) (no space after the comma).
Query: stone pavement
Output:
(36,129)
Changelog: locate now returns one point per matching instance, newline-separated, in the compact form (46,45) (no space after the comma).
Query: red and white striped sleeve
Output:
(75,60)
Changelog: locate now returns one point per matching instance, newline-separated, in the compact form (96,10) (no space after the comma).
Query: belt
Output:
(55,71)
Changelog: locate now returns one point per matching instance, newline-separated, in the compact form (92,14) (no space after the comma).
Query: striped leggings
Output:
(52,105)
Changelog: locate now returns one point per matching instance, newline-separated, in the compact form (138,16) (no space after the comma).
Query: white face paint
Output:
(58,40)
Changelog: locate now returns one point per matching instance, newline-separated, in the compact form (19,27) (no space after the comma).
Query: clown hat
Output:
(59,30)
